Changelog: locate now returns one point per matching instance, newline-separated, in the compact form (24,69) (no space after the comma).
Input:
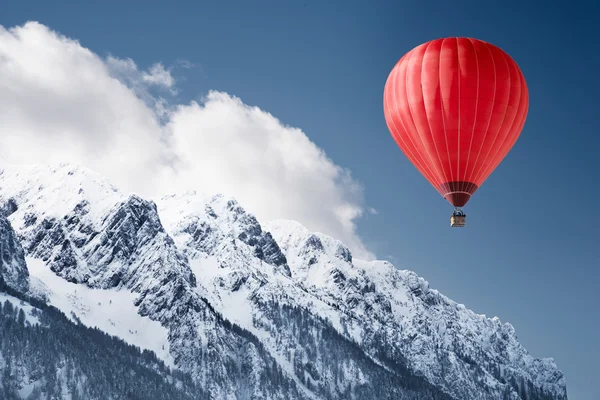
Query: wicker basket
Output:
(457,221)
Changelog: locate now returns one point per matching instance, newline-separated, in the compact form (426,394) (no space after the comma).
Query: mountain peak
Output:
(53,191)
(202,222)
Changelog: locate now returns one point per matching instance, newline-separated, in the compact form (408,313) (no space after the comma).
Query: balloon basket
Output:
(458,219)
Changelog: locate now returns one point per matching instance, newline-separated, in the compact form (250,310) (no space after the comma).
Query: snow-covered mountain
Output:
(253,311)
(453,347)
(45,356)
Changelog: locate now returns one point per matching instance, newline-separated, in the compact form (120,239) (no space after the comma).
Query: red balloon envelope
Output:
(456,107)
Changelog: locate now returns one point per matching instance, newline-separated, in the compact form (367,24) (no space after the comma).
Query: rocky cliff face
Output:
(265,311)
(13,270)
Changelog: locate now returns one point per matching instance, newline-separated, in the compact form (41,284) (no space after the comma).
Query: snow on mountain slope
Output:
(470,337)
(88,233)
(208,221)
(249,282)
(54,191)
(110,310)
(29,311)
(324,266)
(457,349)
(309,321)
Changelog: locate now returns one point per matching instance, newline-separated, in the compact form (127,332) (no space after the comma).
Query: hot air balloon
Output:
(455,107)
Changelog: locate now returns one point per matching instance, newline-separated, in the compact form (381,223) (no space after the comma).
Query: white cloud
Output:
(183,63)
(61,102)
(142,83)
(158,75)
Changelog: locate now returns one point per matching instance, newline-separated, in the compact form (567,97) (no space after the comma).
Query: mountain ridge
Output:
(198,262)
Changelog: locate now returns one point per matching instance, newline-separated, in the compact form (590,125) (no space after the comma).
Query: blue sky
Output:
(529,254)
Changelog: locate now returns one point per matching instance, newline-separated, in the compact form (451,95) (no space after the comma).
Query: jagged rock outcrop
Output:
(13,270)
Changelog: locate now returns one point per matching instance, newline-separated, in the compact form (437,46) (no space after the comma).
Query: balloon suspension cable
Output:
(458,211)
